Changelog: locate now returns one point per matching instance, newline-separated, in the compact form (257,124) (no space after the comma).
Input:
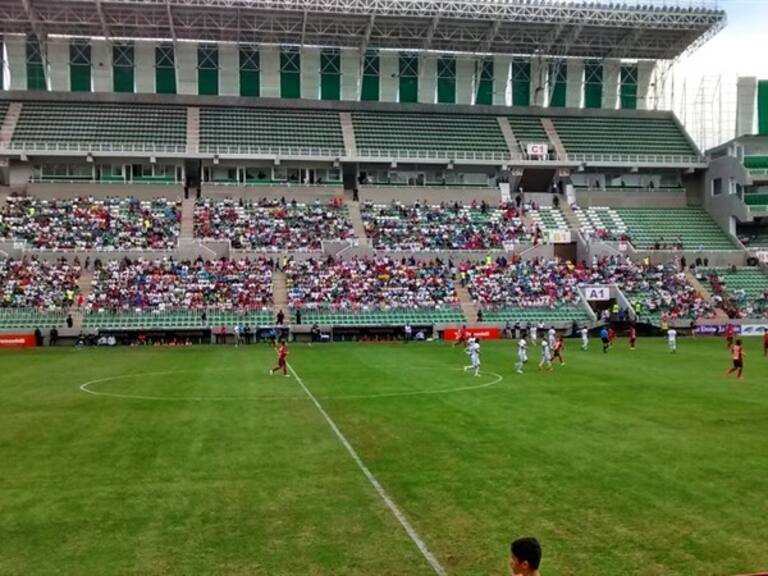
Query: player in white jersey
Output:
(584,338)
(534,332)
(522,355)
(473,350)
(546,356)
(551,338)
(672,336)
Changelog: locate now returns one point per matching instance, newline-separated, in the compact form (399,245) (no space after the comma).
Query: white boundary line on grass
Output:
(420,544)
(85,387)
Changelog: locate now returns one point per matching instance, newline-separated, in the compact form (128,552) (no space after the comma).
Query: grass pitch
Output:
(198,462)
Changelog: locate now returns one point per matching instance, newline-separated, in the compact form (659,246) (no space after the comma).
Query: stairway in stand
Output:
(468,306)
(280,293)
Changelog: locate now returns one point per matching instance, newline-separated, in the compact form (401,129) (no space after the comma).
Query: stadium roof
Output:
(576,29)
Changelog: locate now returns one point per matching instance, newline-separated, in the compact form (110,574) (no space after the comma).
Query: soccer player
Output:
(729,332)
(525,557)
(604,339)
(552,337)
(461,336)
(611,335)
(546,356)
(522,355)
(534,332)
(559,349)
(672,337)
(632,337)
(765,342)
(737,354)
(584,338)
(282,353)
(473,349)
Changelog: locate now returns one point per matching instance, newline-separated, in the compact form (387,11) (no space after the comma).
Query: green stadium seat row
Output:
(528,129)
(692,225)
(175,319)
(255,128)
(561,314)
(751,280)
(101,123)
(25,319)
(383,317)
(755,162)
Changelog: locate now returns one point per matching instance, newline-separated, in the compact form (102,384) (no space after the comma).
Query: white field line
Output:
(414,536)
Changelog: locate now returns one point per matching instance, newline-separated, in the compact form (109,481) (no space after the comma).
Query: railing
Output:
(86,147)
(639,158)
(434,154)
(283,151)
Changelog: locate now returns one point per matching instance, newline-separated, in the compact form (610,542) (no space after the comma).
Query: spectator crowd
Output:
(273,224)
(420,226)
(36,284)
(364,284)
(91,224)
(134,285)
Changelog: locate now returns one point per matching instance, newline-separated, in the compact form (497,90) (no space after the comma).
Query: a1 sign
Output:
(539,150)
(601,293)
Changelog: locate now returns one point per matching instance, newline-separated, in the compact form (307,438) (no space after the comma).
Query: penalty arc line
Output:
(409,529)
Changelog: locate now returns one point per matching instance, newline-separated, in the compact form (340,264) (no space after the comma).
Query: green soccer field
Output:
(196,461)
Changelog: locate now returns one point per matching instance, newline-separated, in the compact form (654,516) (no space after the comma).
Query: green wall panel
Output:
(80,77)
(250,83)
(207,82)
(628,88)
(370,89)
(409,89)
(330,87)
(36,76)
(122,79)
(446,90)
(593,85)
(762,107)
(484,92)
(290,85)
(165,80)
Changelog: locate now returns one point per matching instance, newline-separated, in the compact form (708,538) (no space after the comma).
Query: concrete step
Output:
(84,284)
(705,294)
(356,219)
(9,122)
(468,307)
(280,291)
(187,220)
(348,133)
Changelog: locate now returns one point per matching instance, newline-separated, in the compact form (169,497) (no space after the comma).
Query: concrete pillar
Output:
(644,73)
(101,56)
(58,64)
(389,73)
(427,78)
(351,67)
(186,68)
(538,81)
(465,79)
(746,105)
(269,59)
(16,51)
(502,80)
(310,73)
(229,70)
(144,58)
(611,80)
(574,84)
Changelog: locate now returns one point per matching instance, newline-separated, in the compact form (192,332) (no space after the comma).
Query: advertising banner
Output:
(482,333)
(17,340)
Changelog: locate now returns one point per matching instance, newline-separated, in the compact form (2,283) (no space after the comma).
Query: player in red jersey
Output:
(559,349)
(729,331)
(611,335)
(737,354)
(765,342)
(632,337)
(282,353)
(461,336)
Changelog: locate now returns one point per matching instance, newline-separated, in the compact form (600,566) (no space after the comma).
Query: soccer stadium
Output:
(394,287)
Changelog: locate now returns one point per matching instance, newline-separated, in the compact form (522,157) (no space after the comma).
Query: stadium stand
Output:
(377,290)
(428,135)
(588,136)
(478,226)
(269,131)
(89,224)
(549,219)
(742,292)
(36,293)
(525,291)
(169,293)
(76,126)
(273,224)
(527,129)
(656,228)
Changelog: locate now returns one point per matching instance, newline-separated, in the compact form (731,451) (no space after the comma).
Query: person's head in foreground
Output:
(525,557)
